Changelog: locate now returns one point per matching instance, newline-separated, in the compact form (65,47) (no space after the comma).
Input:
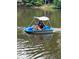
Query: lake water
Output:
(46,46)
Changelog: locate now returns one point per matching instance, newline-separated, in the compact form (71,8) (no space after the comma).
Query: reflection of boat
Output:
(44,30)
(41,37)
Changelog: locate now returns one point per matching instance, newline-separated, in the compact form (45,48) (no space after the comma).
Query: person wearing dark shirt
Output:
(39,25)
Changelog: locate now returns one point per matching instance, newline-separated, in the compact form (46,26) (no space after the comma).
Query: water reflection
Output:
(25,16)
(45,46)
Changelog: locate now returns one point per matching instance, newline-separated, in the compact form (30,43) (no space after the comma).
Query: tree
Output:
(57,3)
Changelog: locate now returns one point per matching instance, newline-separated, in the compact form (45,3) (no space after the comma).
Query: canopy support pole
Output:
(49,23)
(31,23)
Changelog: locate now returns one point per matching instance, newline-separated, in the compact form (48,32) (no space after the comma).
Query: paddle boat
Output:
(39,27)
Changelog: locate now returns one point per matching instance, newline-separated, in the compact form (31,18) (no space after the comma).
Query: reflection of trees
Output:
(37,46)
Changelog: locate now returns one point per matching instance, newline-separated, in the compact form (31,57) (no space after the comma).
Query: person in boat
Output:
(39,25)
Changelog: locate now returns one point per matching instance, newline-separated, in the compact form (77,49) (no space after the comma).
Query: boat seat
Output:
(46,27)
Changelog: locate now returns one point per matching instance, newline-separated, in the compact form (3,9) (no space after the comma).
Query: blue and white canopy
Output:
(43,18)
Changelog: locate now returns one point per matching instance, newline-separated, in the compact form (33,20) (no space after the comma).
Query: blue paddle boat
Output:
(39,27)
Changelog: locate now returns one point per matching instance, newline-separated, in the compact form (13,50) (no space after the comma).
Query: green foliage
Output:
(57,3)
(33,2)
(29,3)
(38,2)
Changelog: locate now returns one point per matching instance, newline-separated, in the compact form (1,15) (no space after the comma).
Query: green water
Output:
(38,46)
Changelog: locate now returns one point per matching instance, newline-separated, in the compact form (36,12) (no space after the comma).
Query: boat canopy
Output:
(43,18)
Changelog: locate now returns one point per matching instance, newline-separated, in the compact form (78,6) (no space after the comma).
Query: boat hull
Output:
(40,32)
(45,30)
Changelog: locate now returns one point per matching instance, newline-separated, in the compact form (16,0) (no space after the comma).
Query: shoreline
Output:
(47,7)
